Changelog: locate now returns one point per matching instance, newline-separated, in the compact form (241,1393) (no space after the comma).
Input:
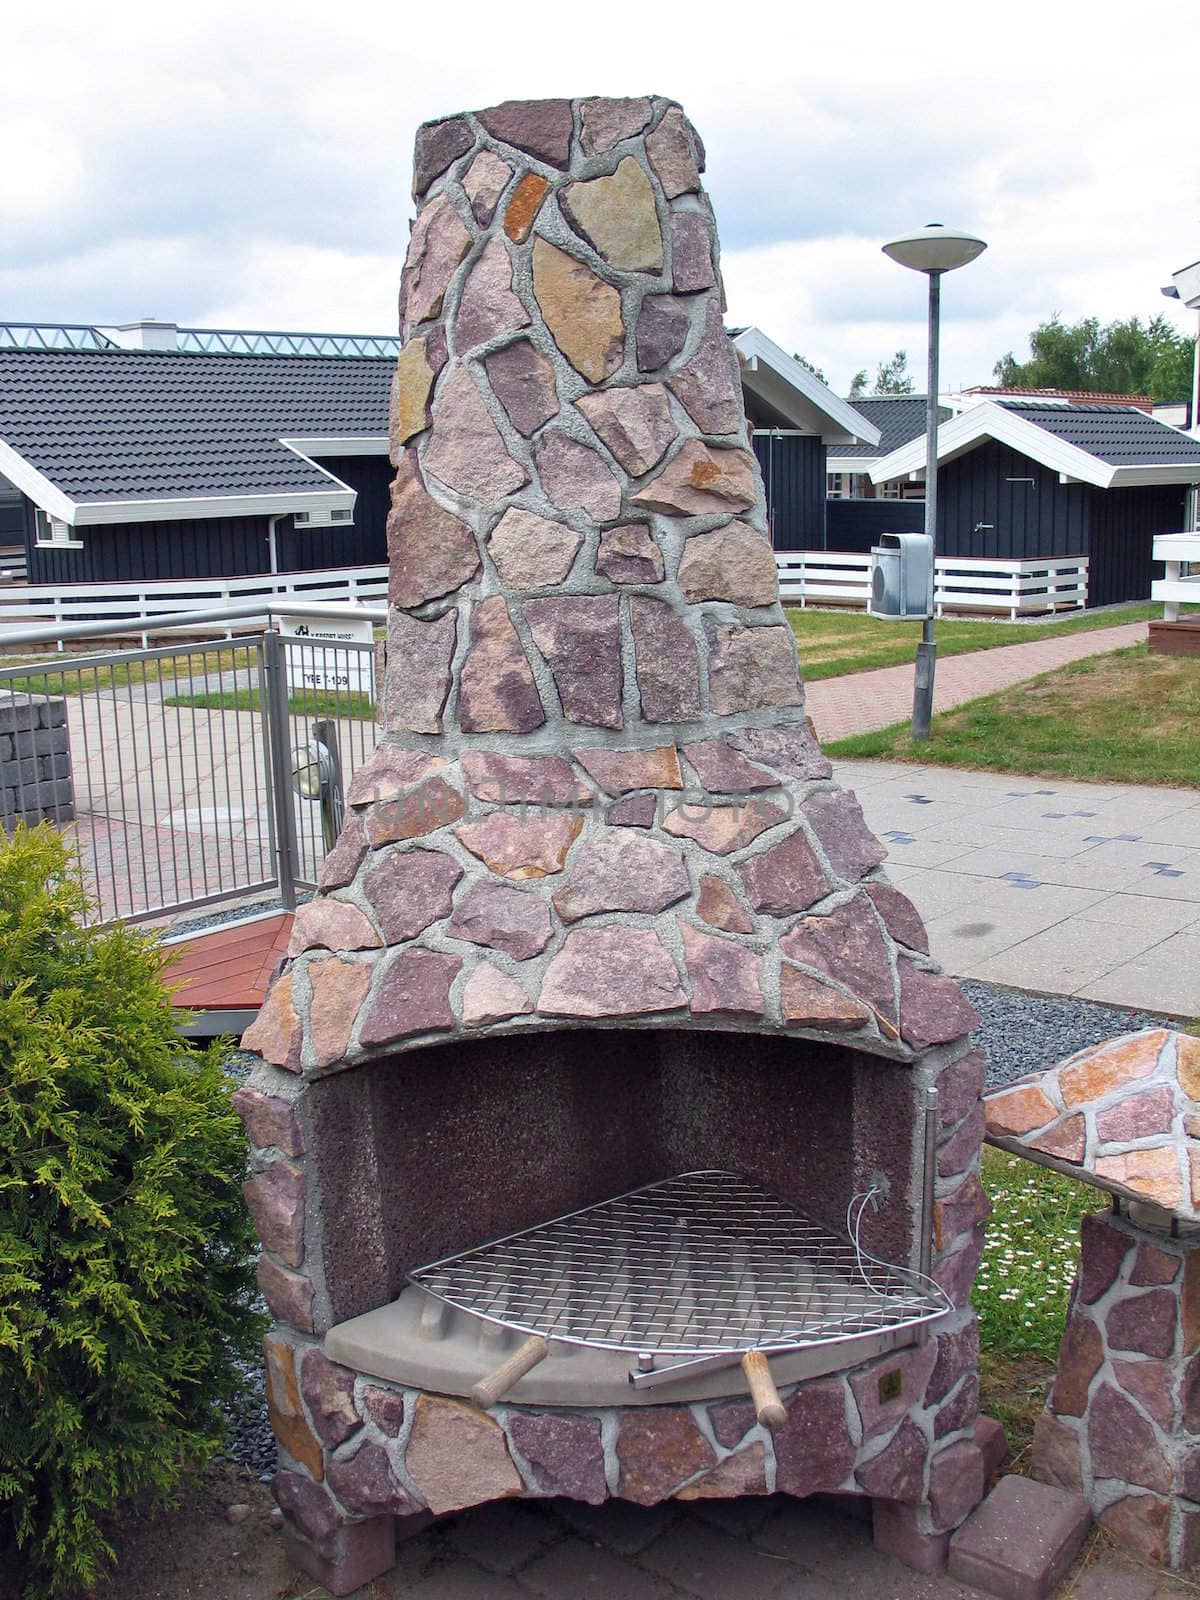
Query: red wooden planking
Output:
(228,968)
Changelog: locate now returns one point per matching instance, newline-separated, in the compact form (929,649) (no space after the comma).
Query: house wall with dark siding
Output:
(855,525)
(995,502)
(1123,525)
(222,547)
(1020,518)
(363,545)
(124,552)
(793,469)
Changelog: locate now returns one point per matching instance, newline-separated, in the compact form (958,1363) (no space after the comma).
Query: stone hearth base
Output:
(1122,1425)
(359,1453)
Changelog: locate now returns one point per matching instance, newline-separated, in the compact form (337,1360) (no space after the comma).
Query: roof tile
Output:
(134,425)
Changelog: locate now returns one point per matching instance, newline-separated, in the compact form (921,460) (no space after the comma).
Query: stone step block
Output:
(1019,1543)
(993,1442)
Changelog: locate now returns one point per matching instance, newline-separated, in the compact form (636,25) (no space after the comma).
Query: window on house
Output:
(50,531)
(323,519)
(839,485)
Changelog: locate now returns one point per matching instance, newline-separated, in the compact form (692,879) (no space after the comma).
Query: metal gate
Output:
(172,769)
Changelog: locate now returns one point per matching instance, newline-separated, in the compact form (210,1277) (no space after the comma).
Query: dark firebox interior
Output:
(425,1154)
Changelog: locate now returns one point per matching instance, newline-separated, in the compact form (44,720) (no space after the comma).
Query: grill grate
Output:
(697,1264)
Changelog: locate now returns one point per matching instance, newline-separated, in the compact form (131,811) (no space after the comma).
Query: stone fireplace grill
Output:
(598,915)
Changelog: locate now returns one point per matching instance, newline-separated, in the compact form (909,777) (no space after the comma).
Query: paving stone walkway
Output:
(864,701)
(751,1549)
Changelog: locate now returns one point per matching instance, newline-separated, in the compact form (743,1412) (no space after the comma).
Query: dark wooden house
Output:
(196,454)
(797,422)
(1022,480)
(160,452)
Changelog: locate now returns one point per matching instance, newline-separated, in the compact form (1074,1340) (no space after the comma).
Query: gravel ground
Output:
(1019,1033)
(1022,1033)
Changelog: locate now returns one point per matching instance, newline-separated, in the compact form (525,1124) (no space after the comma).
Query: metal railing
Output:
(171,767)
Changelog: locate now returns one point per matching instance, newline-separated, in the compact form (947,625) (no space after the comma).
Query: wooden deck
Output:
(223,973)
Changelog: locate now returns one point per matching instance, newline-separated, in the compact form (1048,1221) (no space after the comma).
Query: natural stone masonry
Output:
(596,803)
(1122,1423)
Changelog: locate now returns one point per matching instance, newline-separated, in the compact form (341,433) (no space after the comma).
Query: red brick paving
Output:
(864,701)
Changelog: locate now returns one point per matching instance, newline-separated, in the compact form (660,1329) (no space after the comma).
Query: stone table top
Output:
(1123,1115)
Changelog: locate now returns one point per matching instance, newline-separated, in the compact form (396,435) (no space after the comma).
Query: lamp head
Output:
(312,769)
(934,248)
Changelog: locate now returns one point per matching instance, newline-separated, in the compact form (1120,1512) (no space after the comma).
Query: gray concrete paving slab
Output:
(1057,887)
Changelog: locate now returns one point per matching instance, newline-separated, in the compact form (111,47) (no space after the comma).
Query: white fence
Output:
(139,603)
(967,583)
(806,577)
(1181,552)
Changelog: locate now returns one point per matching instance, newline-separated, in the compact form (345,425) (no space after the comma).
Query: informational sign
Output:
(321,652)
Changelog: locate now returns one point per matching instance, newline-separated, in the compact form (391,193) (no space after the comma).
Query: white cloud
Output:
(247,161)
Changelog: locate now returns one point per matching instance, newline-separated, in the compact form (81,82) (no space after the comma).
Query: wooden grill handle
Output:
(767,1404)
(497,1384)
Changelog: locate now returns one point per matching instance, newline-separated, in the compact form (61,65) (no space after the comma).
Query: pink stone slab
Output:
(722,829)
(465,450)
(619,869)
(1021,1541)
(515,780)
(611,972)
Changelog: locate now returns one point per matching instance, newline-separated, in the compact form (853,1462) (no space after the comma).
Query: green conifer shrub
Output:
(125,1249)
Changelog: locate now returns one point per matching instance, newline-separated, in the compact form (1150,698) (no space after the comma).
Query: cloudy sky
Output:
(248,164)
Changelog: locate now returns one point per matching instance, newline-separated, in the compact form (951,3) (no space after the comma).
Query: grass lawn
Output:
(79,677)
(1023,1285)
(832,643)
(308,703)
(1128,717)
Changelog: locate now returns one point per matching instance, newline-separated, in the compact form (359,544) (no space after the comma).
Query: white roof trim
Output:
(95,512)
(342,444)
(990,421)
(169,508)
(1135,477)
(31,482)
(793,389)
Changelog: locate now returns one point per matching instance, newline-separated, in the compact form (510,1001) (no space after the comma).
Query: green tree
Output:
(1129,357)
(893,376)
(808,367)
(858,385)
(125,1248)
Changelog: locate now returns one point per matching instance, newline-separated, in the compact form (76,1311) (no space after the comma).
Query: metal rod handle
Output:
(497,1383)
(767,1404)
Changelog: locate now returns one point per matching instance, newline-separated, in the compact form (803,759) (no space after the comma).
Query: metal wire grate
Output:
(696,1264)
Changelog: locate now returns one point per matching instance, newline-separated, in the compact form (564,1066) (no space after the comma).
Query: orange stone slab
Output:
(1108,1066)
(1017,1111)
(1150,1174)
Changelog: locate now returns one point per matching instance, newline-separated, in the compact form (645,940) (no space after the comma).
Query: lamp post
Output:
(932,250)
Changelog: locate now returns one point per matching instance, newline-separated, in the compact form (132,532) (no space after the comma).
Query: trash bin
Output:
(902,576)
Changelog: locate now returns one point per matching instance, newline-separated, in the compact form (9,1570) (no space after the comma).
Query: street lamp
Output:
(932,250)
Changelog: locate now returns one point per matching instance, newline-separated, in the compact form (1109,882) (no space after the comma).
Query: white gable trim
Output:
(31,482)
(342,444)
(1136,477)
(166,508)
(798,393)
(95,512)
(988,421)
